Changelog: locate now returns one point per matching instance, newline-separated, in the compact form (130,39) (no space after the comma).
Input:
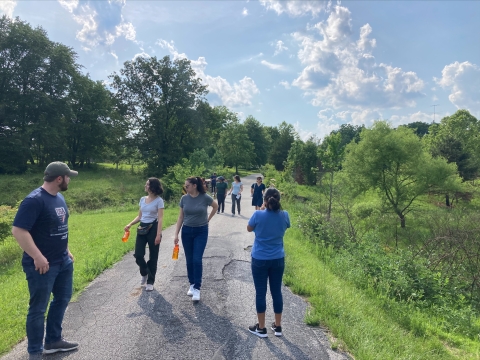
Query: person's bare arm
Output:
(178,226)
(249,228)
(25,241)
(214,206)
(134,221)
(158,238)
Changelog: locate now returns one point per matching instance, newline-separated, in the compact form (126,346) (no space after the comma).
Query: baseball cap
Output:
(58,168)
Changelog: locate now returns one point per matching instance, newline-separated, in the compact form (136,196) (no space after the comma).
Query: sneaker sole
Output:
(276,332)
(51,351)
(258,334)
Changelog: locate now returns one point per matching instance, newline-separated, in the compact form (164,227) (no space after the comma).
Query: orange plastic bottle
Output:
(125,236)
(175,252)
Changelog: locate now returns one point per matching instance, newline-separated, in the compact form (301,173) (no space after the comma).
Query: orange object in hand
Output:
(175,252)
(125,236)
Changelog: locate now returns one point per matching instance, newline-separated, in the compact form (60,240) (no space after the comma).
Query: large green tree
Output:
(283,137)
(235,146)
(396,165)
(457,139)
(258,135)
(160,97)
(302,160)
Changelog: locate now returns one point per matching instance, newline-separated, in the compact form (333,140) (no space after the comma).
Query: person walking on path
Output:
(149,232)
(257,190)
(268,259)
(236,191)
(41,229)
(213,182)
(193,221)
(221,193)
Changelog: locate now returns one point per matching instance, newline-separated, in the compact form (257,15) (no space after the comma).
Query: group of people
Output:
(41,229)
(219,190)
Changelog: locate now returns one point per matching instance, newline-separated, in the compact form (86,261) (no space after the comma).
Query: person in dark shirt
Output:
(257,190)
(213,182)
(41,229)
(222,187)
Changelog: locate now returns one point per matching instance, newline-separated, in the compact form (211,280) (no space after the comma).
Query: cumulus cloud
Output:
(279,47)
(463,81)
(272,66)
(101,21)
(7,7)
(340,69)
(295,8)
(397,120)
(285,84)
(244,12)
(238,94)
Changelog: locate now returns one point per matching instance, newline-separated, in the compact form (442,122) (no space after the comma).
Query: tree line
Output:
(152,111)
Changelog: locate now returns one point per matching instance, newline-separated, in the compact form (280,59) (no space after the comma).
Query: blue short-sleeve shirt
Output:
(269,228)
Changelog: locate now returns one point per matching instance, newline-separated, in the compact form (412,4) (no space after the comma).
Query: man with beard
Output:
(41,229)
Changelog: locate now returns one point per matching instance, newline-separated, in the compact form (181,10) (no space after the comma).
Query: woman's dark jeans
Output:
(58,280)
(271,271)
(194,240)
(147,268)
(221,202)
(235,201)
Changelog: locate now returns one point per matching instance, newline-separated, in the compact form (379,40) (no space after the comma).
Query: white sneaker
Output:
(196,295)
(144,280)
(149,287)
(190,291)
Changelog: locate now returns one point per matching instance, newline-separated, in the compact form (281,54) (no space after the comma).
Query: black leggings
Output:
(221,202)
(147,268)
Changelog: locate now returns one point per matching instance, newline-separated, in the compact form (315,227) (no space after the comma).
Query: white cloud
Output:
(285,84)
(272,66)
(70,5)
(295,8)
(463,81)
(244,12)
(7,7)
(303,134)
(341,70)
(142,54)
(397,120)
(114,55)
(238,94)
(279,47)
(101,21)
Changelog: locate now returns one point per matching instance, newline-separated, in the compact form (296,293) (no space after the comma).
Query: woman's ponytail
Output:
(272,199)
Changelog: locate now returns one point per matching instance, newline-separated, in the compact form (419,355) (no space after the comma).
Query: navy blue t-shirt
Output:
(45,217)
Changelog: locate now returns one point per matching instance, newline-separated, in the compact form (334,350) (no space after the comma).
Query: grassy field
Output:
(360,322)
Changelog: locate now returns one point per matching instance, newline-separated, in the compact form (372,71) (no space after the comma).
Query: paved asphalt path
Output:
(115,318)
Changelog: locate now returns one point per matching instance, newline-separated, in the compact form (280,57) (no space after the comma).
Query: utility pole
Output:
(434,112)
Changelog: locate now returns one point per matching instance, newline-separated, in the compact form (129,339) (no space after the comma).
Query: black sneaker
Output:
(257,331)
(277,329)
(61,345)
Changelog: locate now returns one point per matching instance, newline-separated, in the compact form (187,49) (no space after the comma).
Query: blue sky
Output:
(314,64)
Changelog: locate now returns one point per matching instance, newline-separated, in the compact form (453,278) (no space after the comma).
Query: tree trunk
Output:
(447,200)
(402,220)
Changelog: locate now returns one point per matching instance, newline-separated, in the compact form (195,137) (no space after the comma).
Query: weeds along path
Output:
(114,318)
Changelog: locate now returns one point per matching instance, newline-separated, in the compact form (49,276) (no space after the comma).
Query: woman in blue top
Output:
(150,217)
(268,259)
(236,191)
(257,191)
